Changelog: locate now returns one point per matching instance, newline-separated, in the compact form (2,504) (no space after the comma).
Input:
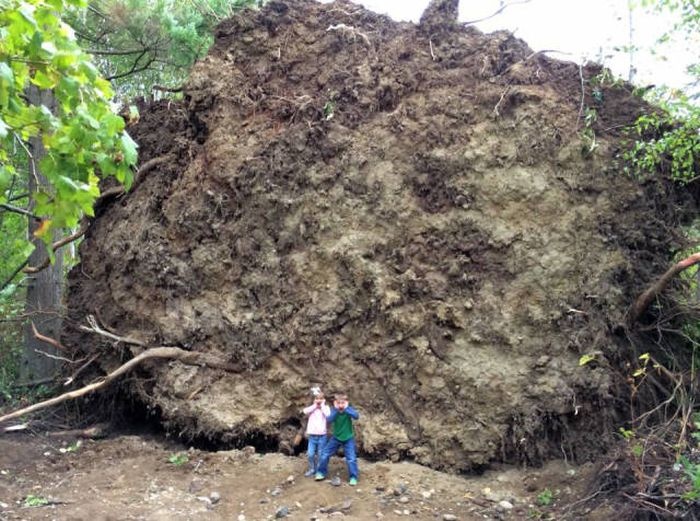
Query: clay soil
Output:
(406,213)
(129,478)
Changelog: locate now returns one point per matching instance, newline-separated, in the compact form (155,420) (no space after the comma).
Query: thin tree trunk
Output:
(44,289)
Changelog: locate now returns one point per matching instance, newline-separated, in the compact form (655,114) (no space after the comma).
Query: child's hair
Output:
(340,396)
(318,395)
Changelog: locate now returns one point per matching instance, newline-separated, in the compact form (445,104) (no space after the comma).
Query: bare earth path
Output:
(129,478)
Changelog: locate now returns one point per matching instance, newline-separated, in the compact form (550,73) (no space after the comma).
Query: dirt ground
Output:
(128,477)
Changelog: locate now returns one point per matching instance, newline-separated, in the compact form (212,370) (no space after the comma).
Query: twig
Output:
(20,211)
(80,369)
(48,340)
(14,274)
(432,54)
(496,113)
(55,246)
(33,383)
(94,327)
(53,357)
(496,13)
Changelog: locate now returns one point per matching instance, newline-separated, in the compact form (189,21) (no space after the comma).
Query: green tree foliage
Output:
(138,44)
(83,138)
(668,140)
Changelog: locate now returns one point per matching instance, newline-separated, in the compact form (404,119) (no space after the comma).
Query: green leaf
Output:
(6,74)
(42,81)
(129,147)
(585,359)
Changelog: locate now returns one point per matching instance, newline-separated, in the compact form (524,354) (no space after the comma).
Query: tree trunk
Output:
(44,289)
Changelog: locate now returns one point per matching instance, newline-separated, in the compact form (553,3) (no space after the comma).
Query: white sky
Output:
(587,29)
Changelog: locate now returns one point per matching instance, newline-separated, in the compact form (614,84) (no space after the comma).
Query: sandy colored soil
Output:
(129,478)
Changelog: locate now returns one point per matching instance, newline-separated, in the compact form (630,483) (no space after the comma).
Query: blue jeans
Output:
(317,442)
(350,456)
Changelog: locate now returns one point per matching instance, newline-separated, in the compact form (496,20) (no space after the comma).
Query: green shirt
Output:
(342,424)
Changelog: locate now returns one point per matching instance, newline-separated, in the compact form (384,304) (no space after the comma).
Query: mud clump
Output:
(401,214)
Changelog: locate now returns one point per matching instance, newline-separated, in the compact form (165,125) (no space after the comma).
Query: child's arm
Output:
(333,413)
(308,410)
(352,412)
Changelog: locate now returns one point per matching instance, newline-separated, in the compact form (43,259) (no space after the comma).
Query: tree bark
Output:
(45,288)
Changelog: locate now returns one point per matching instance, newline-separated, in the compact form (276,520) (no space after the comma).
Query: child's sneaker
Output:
(309,473)
(352,482)
(319,477)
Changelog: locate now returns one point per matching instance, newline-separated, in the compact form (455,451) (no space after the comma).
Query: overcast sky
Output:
(586,29)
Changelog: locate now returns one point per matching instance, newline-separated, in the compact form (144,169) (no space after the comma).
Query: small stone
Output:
(397,512)
(403,499)
(336,515)
(196,485)
(379,515)
(241,517)
(505,505)
(263,501)
(427,494)
(336,481)
(407,512)
(297,504)
(290,479)
(282,512)
(276,491)
(215,497)
(380,489)
(449,517)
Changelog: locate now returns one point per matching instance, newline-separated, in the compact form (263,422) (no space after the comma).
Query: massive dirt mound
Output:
(403,212)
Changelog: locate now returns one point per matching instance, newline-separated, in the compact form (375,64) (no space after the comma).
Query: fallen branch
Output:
(642,302)
(170,353)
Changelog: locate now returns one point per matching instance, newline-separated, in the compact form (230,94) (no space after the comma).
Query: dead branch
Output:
(48,340)
(642,302)
(169,353)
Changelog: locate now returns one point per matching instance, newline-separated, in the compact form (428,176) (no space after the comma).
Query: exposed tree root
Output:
(169,353)
(645,299)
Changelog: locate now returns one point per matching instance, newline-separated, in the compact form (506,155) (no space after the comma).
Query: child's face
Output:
(319,399)
(341,402)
